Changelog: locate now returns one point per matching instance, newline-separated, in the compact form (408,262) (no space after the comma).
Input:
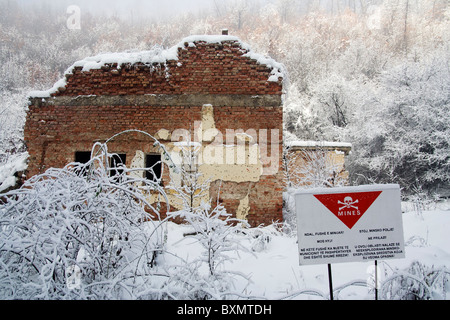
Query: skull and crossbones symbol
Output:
(348,203)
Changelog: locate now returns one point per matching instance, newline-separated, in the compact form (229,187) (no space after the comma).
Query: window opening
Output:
(82,156)
(153,165)
(117,160)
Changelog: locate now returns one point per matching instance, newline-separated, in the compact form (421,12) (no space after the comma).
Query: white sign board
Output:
(349,224)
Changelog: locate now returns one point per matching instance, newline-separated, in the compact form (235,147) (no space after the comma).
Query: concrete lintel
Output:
(184,100)
(345,149)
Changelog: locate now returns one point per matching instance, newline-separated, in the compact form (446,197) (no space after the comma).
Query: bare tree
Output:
(188,183)
(313,168)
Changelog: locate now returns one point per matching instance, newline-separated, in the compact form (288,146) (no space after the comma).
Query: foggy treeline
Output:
(374,73)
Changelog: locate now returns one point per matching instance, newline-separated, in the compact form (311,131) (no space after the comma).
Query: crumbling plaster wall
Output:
(226,97)
(238,163)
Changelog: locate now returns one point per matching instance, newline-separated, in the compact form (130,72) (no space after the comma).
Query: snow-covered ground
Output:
(271,262)
(8,168)
(265,267)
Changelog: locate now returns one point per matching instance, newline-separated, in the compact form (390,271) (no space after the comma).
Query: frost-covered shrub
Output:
(403,135)
(214,229)
(78,220)
(87,231)
(12,148)
(189,185)
(418,282)
(205,276)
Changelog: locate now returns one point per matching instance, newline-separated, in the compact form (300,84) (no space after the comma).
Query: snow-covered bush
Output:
(87,231)
(12,120)
(12,148)
(214,229)
(187,184)
(312,169)
(79,219)
(418,282)
(404,135)
(10,167)
(205,275)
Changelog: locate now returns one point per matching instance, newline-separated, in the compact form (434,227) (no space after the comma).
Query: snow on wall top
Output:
(318,144)
(159,55)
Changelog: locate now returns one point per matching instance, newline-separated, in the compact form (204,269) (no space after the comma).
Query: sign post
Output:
(330,281)
(376,279)
(349,224)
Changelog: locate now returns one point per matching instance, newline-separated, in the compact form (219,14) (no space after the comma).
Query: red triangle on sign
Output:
(348,207)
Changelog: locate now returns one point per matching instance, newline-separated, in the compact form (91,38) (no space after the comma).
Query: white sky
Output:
(138,9)
(129,8)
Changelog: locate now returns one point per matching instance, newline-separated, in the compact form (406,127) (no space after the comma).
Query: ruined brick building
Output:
(215,88)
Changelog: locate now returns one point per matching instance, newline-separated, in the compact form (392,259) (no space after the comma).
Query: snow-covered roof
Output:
(159,55)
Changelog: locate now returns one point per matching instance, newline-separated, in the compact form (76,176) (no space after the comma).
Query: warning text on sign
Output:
(349,224)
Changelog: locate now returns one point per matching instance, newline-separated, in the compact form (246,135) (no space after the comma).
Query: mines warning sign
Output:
(349,224)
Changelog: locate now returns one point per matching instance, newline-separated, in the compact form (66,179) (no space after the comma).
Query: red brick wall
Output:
(209,68)
(68,129)
(56,129)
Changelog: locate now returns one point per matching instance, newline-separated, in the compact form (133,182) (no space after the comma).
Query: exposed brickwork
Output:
(69,129)
(210,68)
(55,131)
